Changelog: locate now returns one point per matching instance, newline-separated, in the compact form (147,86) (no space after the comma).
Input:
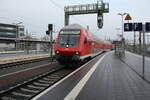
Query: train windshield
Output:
(69,38)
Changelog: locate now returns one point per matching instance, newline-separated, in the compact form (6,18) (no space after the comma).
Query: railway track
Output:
(17,64)
(27,89)
(32,87)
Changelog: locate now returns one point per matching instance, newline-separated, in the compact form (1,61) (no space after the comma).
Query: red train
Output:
(75,43)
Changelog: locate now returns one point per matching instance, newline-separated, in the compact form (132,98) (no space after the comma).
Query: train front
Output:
(67,46)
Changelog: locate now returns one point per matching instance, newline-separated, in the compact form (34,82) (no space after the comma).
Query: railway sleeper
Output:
(41,84)
(21,94)
(25,92)
(45,81)
(49,82)
(36,87)
(29,90)
(8,98)
(54,77)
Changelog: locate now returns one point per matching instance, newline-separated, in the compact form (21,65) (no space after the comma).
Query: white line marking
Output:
(76,90)
(47,90)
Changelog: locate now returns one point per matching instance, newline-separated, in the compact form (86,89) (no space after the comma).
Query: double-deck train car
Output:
(75,43)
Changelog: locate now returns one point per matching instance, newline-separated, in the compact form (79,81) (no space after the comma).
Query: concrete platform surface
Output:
(134,61)
(104,78)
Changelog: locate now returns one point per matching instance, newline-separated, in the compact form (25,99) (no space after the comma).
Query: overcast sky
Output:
(37,14)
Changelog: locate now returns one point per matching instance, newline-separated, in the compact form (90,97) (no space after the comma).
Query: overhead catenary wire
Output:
(27,23)
(4,18)
(35,26)
(14,21)
(60,7)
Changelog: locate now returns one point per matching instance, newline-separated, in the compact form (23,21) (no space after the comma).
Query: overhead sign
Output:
(127,27)
(133,27)
(128,17)
(137,27)
(147,26)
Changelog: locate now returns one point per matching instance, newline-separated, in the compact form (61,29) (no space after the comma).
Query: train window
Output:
(71,40)
(63,40)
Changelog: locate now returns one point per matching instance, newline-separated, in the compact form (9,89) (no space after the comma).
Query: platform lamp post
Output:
(123,40)
(122,15)
(50,33)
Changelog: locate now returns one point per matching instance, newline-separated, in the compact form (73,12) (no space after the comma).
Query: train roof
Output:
(96,38)
(77,27)
(72,27)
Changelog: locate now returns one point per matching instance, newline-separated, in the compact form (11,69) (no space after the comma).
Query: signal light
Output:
(50,27)
(47,32)
(100,20)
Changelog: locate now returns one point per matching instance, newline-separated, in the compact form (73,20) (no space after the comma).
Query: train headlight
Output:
(67,46)
(57,52)
(77,53)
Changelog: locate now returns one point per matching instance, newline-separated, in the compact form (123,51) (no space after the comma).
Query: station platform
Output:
(15,57)
(20,53)
(106,77)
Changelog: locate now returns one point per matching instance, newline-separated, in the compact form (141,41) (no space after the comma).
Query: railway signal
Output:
(99,20)
(50,27)
(49,32)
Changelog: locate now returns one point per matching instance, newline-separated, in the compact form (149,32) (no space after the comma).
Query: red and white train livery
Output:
(75,43)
